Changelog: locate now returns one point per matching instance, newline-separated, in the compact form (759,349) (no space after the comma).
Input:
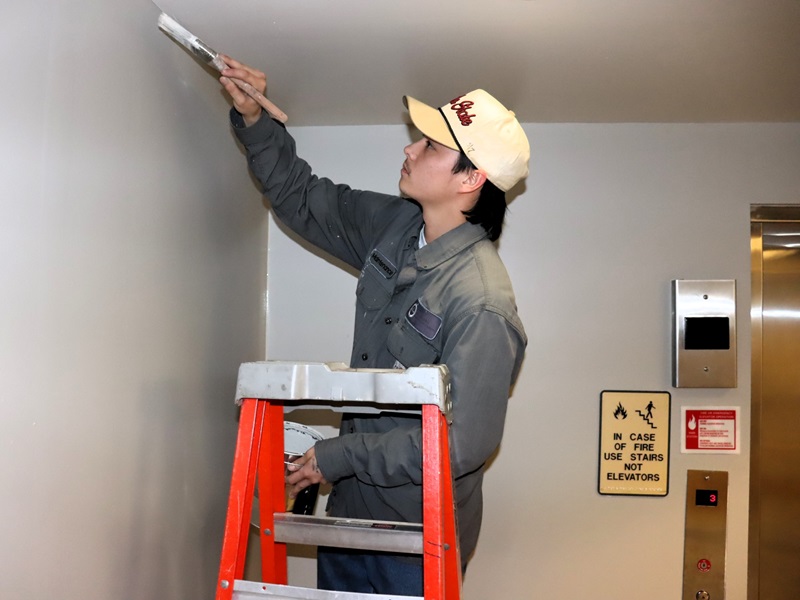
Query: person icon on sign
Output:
(650,406)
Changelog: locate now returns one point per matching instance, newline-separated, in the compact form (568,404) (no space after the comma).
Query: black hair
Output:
(490,209)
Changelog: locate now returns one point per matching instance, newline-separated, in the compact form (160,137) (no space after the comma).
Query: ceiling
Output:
(349,62)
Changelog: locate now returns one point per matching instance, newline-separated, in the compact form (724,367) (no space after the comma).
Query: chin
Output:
(402,189)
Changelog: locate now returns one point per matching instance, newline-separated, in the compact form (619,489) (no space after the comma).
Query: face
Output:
(427,173)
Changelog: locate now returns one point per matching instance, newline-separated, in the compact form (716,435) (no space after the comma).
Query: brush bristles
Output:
(176,31)
(190,41)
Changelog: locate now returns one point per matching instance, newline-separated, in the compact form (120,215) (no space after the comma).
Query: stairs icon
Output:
(646,420)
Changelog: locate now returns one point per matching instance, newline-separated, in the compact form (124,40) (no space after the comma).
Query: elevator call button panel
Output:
(705,535)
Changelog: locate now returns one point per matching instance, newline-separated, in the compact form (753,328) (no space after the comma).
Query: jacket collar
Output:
(448,245)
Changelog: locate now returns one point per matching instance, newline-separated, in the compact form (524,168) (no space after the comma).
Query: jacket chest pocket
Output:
(373,291)
(410,348)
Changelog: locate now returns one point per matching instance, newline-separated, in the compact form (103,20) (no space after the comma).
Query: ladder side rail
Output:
(432,495)
(453,574)
(442,555)
(249,490)
(272,495)
(240,498)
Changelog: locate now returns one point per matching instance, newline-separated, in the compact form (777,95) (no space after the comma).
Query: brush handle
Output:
(266,104)
(274,111)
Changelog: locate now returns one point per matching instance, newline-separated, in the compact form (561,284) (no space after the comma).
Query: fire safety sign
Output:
(710,430)
(634,443)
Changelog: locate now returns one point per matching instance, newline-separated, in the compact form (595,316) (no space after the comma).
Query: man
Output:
(432,289)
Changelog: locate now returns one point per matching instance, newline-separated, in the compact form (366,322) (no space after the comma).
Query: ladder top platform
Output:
(342,388)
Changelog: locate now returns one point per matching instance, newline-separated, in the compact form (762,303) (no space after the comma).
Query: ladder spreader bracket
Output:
(341,388)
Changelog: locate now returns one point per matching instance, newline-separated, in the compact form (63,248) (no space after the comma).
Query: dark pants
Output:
(346,570)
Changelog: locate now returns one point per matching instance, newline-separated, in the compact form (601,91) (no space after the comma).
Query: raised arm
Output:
(335,218)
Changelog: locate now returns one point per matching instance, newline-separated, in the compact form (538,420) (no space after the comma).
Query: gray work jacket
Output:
(449,302)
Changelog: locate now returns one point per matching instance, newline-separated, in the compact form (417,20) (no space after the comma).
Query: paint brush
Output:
(209,56)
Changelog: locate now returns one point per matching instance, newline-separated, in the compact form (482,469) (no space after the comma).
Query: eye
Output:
(428,144)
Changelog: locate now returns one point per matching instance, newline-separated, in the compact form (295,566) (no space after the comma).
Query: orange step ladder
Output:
(266,390)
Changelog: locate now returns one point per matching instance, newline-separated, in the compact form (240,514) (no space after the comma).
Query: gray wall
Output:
(132,278)
(132,262)
(610,215)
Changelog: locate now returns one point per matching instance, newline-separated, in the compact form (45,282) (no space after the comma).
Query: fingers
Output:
(239,70)
(303,470)
(306,473)
(294,465)
(240,99)
(232,62)
(242,102)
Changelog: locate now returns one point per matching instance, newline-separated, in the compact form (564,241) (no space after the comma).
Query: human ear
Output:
(473,181)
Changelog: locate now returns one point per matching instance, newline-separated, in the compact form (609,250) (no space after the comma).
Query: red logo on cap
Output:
(462,110)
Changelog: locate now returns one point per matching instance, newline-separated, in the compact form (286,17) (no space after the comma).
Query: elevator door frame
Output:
(760,215)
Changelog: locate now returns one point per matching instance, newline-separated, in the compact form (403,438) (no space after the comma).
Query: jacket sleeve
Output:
(382,459)
(483,354)
(335,218)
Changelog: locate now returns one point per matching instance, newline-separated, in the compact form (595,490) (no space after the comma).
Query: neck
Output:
(437,224)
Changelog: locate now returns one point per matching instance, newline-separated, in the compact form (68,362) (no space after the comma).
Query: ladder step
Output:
(254,590)
(384,536)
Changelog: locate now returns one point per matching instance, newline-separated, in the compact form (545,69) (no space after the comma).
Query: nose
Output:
(412,149)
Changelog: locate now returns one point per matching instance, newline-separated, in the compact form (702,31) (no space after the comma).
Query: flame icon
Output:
(692,423)
(620,413)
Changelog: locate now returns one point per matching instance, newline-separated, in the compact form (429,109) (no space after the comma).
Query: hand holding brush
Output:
(235,76)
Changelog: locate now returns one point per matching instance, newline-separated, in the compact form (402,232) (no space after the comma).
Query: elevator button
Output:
(702,595)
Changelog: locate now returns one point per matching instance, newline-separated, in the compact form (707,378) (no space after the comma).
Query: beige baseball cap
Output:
(485,130)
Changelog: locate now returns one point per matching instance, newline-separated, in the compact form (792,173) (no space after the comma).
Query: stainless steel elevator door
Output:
(774,569)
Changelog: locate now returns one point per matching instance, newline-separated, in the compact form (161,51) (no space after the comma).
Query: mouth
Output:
(404,169)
